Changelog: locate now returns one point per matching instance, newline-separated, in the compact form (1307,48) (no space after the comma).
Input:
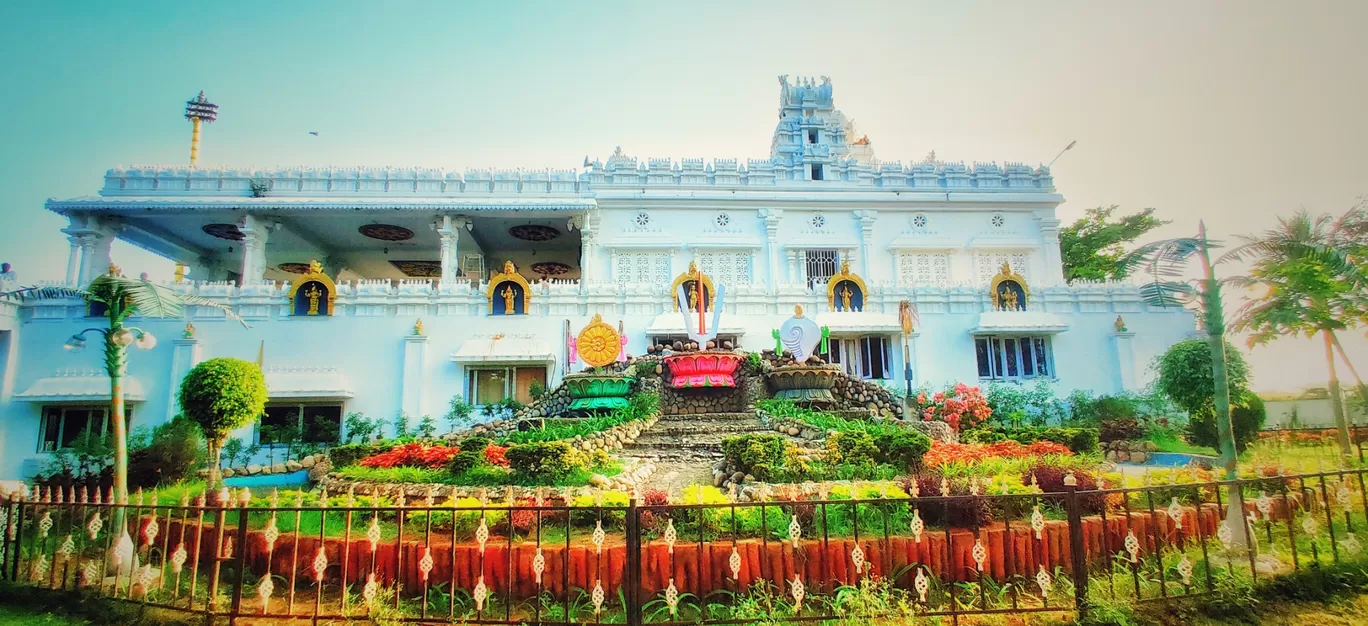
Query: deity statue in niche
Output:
(1120,324)
(508,295)
(845,299)
(693,299)
(1008,298)
(313,294)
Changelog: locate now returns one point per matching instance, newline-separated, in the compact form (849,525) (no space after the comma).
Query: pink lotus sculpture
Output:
(703,369)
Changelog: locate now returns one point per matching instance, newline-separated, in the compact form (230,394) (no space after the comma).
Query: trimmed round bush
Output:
(222,395)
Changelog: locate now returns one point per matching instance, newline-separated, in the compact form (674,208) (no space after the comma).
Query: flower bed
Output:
(961,406)
(946,453)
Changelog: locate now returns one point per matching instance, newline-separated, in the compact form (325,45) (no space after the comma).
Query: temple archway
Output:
(1009,290)
(846,291)
(508,292)
(312,293)
(689,280)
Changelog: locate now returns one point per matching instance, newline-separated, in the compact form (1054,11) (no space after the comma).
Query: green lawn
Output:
(10,616)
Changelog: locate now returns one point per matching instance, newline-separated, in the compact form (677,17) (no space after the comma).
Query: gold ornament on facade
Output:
(418,327)
(321,302)
(598,344)
(1004,297)
(692,295)
(509,275)
(845,276)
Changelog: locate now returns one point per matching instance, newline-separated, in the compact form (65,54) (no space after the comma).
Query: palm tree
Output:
(1311,287)
(121,297)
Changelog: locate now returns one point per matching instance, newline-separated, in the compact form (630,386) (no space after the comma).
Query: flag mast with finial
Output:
(198,111)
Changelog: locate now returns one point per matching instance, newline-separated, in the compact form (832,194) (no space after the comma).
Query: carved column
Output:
(73,273)
(772,217)
(868,219)
(586,223)
(1124,352)
(187,352)
(415,358)
(449,236)
(94,256)
(255,233)
(1054,264)
(794,273)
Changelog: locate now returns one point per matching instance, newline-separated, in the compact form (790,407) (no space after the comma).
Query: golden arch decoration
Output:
(690,276)
(598,344)
(845,275)
(1004,296)
(315,275)
(509,275)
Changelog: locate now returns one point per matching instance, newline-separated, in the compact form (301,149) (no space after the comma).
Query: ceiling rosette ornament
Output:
(386,232)
(294,268)
(550,268)
(224,231)
(533,232)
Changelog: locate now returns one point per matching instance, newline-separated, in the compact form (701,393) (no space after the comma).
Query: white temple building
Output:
(332,267)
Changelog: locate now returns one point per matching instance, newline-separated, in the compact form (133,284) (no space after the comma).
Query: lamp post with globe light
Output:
(198,111)
(117,338)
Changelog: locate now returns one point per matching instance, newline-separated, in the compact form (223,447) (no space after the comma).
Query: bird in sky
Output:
(314,133)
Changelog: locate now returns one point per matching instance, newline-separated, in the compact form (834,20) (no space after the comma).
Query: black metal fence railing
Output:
(805,554)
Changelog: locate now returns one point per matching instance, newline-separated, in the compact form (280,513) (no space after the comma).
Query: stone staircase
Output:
(694,437)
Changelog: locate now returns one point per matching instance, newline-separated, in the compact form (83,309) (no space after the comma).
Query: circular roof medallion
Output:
(223,231)
(294,268)
(386,232)
(533,232)
(550,268)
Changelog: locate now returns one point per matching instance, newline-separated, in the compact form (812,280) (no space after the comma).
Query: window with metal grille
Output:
(61,425)
(1008,358)
(821,265)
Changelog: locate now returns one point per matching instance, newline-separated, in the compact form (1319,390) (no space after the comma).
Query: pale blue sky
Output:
(1229,111)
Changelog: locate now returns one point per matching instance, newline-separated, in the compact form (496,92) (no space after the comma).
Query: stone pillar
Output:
(95,260)
(772,217)
(1125,360)
(1054,263)
(586,223)
(793,276)
(415,357)
(73,273)
(868,219)
(449,236)
(255,234)
(186,353)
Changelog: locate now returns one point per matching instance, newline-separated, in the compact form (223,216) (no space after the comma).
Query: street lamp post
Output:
(117,338)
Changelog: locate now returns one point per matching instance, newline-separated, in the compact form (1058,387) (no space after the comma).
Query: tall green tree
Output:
(1094,247)
(121,298)
(1310,286)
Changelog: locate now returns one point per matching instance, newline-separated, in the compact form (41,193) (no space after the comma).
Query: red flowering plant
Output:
(942,453)
(495,455)
(961,406)
(412,455)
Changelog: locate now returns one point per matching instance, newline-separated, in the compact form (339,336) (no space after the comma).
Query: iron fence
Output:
(800,553)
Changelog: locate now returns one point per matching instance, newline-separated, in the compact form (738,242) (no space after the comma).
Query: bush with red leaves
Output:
(1051,480)
(412,455)
(495,455)
(959,512)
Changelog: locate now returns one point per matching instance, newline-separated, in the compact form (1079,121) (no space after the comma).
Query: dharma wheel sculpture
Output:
(599,345)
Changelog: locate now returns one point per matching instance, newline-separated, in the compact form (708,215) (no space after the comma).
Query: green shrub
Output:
(757,454)
(173,454)
(474,444)
(1080,440)
(1247,415)
(903,449)
(543,460)
(465,460)
(853,447)
(352,453)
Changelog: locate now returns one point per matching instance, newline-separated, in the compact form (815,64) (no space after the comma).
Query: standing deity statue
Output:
(508,295)
(1009,299)
(845,298)
(313,294)
(693,300)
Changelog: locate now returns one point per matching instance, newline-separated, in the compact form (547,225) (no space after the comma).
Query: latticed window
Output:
(645,268)
(727,268)
(821,265)
(990,263)
(924,269)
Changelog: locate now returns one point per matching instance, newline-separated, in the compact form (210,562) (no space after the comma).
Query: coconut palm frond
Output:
(1168,294)
(205,302)
(1240,282)
(36,294)
(150,300)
